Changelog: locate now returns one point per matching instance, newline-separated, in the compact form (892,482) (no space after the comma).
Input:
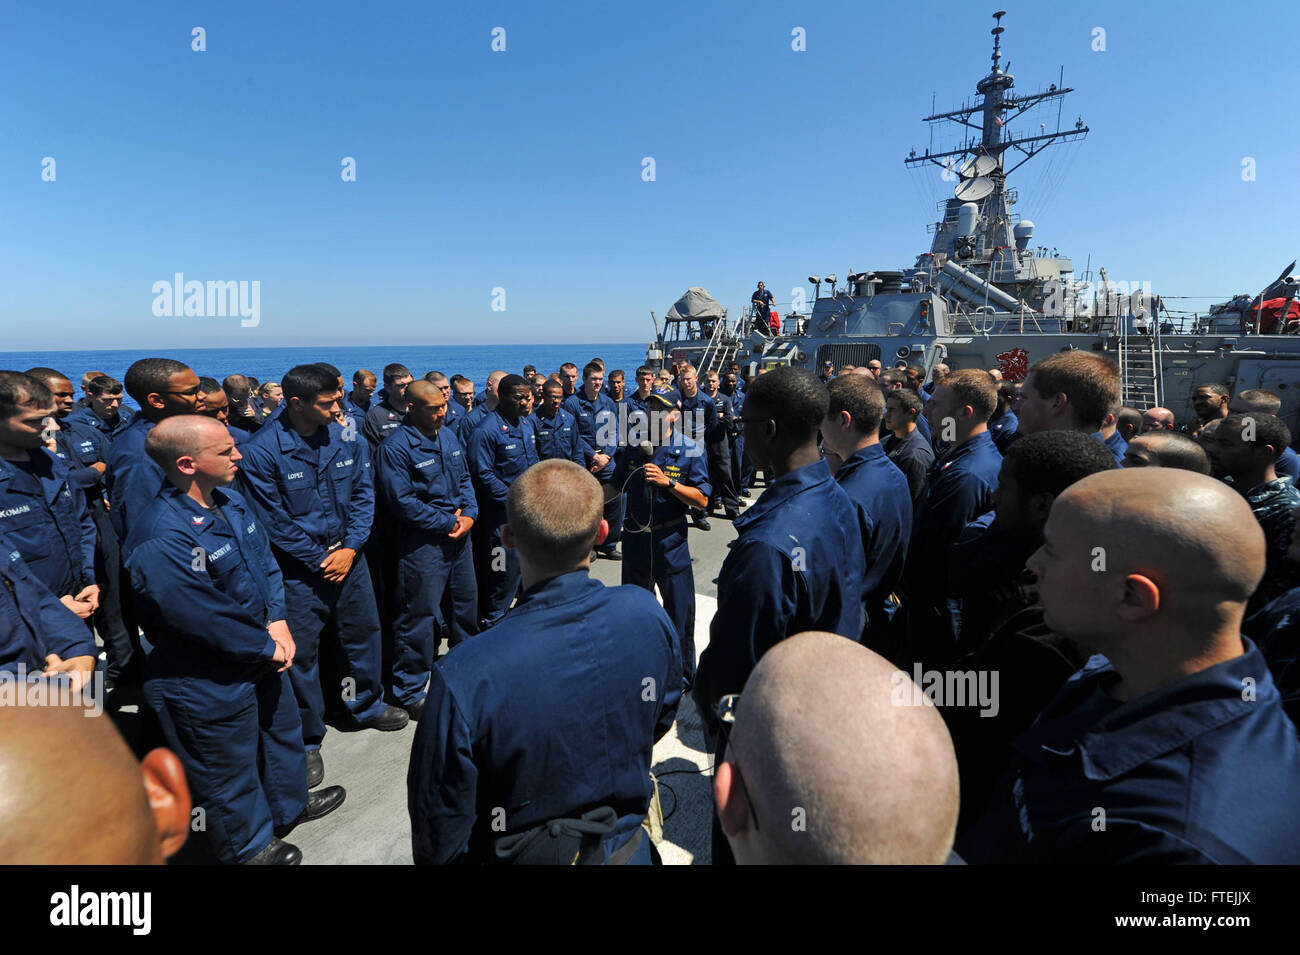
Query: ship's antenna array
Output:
(990,116)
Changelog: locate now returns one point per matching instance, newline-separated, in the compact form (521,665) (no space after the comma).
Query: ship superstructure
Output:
(984,296)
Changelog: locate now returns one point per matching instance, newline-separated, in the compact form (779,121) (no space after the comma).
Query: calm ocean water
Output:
(269,364)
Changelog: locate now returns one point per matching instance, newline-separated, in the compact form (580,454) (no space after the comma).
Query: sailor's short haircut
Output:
(1269,430)
(553,383)
(907,399)
(645,370)
(45,375)
(268,386)
(590,369)
(433,377)
(794,398)
(554,510)
(1173,450)
(1048,462)
(1007,392)
(209,385)
(529,371)
(149,376)
(687,368)
(894,376)
(1130,416)
(19,390)
(1090,382)
(617,373)
(102,385)
(360,375)
(1218,387)
(395,372)
(971,386)
(1260,400)
(860,397)
(307,383)
(237,384)
(569,364)
(88,376)
(511,382)
(338,375)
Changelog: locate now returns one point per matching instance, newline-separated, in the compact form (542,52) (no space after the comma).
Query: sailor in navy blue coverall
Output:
(34,624)
(597,417)
(503,446)
(554,711)
(42,514)
(314,491)
(212,604)
(423,476)
(661,489)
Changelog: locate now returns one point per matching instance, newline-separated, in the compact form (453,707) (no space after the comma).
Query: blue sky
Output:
(523,170)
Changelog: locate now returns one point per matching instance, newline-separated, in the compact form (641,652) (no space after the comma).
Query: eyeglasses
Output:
(744,422)
(188,392)
(726,710)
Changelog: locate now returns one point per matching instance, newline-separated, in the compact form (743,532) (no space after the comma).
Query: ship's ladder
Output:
(721,349)
(1139,367)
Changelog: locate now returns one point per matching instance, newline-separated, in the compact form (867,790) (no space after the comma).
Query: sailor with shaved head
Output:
(212,603)
(1172,746)
(829,763)
(1157,419)
(423,477)
(1166,449)
(135,813)
(551,715)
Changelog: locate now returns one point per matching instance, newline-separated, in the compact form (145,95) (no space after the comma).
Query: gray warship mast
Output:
(983,297)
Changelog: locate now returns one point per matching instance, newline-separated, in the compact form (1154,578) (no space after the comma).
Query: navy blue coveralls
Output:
(742,470)
(699,420)
(498,453)
(424,481)
(455,413)
(552,712)
(598,430)
(796,566)
(85,416)
(33,622)
(315,495)
(1197,771)
(1004,429)
(133,479)
(381,421)
(207,587)
(383,418)
(557,437)
(883,503)
(655,547)
(44,518)
(961,486)
(79,447)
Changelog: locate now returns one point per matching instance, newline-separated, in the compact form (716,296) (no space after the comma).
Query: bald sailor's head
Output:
(194,450)
(71,793)
(823,767)
(1152,567)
